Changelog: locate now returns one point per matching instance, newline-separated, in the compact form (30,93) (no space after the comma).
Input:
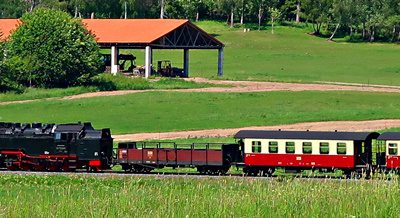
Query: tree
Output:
(291,10)
(317,11)
(259,6)
(51,49)
(3,73)
(275,15)
(394,21)
(228,7)
(341,14)
(6,83)
(12,8)
(162,9)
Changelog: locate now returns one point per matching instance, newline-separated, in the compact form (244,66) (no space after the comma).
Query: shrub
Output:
(109,82)
(51,49)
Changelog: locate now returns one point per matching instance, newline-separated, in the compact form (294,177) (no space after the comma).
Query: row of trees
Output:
(361,19)
(369,19)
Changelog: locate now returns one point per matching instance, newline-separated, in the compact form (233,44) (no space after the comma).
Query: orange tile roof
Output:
(143,31)
(131,30)
(7,26)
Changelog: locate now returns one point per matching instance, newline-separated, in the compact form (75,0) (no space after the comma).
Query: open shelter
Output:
(147,34)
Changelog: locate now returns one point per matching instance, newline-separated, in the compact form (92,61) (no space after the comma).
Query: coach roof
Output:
(262,134)
(389,136)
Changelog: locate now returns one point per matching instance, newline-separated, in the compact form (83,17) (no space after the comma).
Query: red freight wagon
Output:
(264,151)
(209,158)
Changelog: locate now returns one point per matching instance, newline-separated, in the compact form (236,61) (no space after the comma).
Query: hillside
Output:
(291,55)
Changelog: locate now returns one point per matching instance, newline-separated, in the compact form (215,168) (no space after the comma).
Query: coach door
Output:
(362,151)
(380,152)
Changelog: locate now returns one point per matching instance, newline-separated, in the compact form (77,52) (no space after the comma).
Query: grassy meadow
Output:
(289,55)
(79,196)
(170,111)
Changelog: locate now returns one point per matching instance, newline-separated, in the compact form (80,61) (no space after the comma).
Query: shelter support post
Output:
(186,62)
(220,62)
(148,60)
(114,60)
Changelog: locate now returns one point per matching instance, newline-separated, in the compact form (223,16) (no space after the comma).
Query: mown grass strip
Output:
(170,111)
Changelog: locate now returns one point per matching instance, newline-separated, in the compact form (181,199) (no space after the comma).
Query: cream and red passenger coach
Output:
(388,147)
(264,151)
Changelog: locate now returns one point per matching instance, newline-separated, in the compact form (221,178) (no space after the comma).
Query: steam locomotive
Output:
(51,147)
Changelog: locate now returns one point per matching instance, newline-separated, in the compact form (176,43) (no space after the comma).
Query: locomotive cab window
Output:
(273,147)
(57,136)
(393,148)
(341,148)
(256,146)
(307,147)
(290,147)
(324,148)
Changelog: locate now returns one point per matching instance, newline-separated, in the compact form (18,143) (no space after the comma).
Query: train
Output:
(79,146)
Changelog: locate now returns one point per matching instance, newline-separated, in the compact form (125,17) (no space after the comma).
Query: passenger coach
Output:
(264,151)
(388,148)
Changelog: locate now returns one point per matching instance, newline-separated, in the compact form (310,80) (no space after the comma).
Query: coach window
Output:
(256,146)
(273,147)
(393,148)
(289,147)
(307,147)
(324,148)
(341,148)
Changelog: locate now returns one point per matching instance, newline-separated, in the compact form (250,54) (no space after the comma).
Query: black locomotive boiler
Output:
(51,147)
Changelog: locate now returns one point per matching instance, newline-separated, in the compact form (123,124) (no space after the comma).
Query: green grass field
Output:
(76,196)
(169,111)
(289,55)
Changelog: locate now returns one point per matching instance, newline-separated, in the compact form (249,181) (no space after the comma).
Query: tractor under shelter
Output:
(147,34)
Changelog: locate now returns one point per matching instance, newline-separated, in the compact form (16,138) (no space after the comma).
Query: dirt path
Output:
(239,86)
(371,125)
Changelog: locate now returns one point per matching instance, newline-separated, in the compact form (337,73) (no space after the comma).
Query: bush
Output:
(51,49)
(109,82)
